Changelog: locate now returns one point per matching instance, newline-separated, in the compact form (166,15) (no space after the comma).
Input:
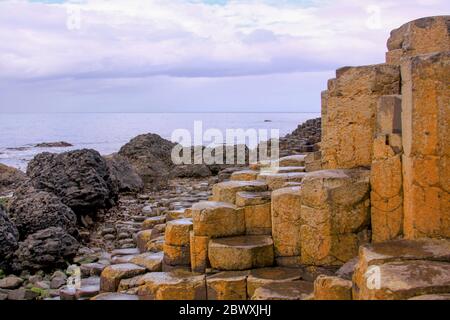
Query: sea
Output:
(108,132)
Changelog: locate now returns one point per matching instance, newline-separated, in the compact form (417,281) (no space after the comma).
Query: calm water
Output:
(107,132)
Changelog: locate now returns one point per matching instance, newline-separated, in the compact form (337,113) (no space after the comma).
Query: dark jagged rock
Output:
(59,144)
(124,174)
(303,139)
(32,210)
(191,171)
(150,156)
(8,239)
(10,178)
(46,249)
(81,179)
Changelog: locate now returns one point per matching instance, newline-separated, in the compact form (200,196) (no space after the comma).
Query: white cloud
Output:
(143,38)
(140,39)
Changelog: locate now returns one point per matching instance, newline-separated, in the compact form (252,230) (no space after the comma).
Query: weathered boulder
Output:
(10,178)
(81,179)
(32,210)
(45,249)
(124,174)
(150,156)
(8,239)
(11,282)
(191,171)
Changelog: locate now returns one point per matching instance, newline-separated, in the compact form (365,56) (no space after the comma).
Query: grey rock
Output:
(8,239)
(11,282)
(347,270)
(10,178)
(32,210)
(45,249)
(150,156)
(81,179)
(124,174)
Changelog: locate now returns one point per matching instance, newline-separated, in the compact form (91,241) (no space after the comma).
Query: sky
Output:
(188,55)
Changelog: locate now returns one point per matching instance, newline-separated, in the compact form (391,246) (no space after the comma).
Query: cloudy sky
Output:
(188,55)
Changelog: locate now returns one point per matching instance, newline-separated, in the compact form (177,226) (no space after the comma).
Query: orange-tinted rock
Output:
(226,191)
(177,232)
(111,275)
(229,285)
(150,223)
(350,116)
(142,238)
(241,253)
(247,175)
(286,221)
(332,288)
(295,290)
(277,181)
(176,285)
(217,219)
(336,213)
(426,143)
(375,255)
(387,191)
(150,261)
(421,36)
(199,252)
(258,220)
(177,255)
(406,279)
(260,277)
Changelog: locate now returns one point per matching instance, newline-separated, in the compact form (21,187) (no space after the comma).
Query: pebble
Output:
(11,282)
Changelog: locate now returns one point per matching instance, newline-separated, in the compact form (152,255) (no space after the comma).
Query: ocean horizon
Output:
(108,132)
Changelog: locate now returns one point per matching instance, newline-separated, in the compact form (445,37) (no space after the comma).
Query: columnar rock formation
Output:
(376,207)
(350,116)
(402,131)
(426,141)
(383,176)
